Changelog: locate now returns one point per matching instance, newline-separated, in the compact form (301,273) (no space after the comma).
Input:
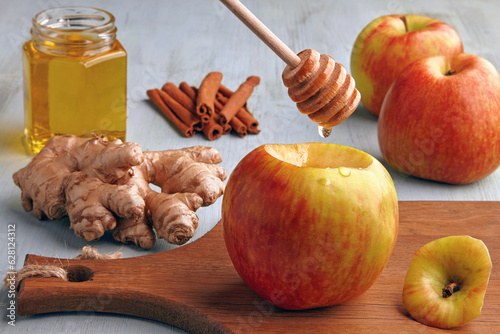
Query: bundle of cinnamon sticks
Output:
(212,108)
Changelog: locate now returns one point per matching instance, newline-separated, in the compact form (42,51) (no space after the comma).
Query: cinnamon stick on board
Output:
(154,96)
(238,99)
(206,93)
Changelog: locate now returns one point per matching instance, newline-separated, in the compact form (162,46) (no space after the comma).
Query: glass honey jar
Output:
(74,76)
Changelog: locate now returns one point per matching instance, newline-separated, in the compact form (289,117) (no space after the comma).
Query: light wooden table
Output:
(178,41)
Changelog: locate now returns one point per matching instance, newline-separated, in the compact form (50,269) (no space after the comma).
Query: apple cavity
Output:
(446,282)
(309,225)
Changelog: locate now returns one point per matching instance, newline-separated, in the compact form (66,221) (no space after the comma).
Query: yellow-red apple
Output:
(446,281)
(309,225)
(441,119)
(390,43)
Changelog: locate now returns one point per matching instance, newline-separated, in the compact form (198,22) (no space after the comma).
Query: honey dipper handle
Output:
(263,32)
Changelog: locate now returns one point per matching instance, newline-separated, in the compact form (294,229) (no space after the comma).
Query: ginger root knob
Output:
(102,185)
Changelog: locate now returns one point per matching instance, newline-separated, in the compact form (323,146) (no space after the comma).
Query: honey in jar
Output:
(74,76)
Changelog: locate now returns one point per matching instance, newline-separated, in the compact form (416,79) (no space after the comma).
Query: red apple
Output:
(309,225)
(446,281)
(441,119)
(390,43)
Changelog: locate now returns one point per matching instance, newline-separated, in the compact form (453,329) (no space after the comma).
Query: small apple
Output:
(446,282)
(441,119)
(390,43)
(309,225)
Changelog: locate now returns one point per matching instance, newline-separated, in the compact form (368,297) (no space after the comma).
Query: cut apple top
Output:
(447,280)
(319,155)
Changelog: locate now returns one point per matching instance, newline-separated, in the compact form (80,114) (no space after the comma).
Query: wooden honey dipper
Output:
(322,88)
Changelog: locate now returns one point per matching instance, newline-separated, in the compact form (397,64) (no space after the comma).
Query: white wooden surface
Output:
(179,40)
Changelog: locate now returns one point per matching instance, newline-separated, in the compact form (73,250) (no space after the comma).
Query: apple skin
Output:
(443,127)
(307,237)
(386,46)
(460,259)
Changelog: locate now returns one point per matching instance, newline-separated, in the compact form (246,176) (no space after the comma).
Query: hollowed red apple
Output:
(309,225)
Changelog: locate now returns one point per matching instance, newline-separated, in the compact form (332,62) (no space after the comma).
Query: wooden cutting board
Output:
(195,287)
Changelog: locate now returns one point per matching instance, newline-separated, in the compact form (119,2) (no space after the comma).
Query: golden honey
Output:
(74,75)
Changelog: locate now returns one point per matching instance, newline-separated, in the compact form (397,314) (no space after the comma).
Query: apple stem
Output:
(450,72)
(450,289)
(403,18)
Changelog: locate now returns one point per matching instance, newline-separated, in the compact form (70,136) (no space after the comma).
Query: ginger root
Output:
(104,185)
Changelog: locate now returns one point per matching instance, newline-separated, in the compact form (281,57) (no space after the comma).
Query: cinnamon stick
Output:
(171,89)
(238,99)
(239,127)
(206,93)
(182,113)
(154,96)
(242,116)
(188,90)
(212,129)
(225,91)
(249,120)
(218,107)
(184,104)
(236,124)
(184,100)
